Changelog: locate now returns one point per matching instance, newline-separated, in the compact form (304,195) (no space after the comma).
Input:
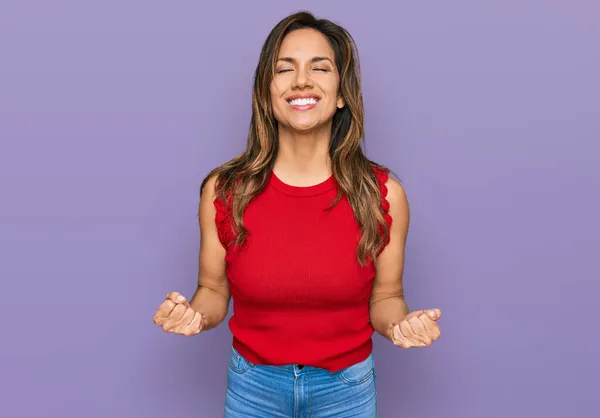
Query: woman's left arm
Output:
(390,315)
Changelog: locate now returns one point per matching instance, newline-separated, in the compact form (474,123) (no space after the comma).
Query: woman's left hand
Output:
(417,329)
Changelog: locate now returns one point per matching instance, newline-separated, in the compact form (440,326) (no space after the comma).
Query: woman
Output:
(307,235)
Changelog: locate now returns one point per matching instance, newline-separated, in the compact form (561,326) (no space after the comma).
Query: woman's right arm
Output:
(209,305)
(212,295)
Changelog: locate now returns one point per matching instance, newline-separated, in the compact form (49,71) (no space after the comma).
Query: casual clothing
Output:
(260,391)
(299,293)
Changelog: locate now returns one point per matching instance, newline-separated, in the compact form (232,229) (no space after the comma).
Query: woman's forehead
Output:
(305,44)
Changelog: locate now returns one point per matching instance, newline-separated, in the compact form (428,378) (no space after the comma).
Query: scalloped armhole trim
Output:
(382,177)
(223,222)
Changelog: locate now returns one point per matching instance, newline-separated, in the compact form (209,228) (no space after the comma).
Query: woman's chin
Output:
(304,126)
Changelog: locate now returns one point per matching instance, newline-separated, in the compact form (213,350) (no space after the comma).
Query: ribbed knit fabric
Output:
(299,294)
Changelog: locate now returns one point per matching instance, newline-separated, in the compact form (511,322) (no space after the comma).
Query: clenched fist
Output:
(175,315)
(417,329)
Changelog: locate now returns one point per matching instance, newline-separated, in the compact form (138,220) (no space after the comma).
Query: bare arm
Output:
(388,306)
(212,296)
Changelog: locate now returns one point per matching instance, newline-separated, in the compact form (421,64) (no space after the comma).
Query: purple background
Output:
(111,114)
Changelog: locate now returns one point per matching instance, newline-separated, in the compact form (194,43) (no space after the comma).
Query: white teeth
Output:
(303,102)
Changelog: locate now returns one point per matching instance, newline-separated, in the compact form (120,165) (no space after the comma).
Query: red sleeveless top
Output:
(299,294)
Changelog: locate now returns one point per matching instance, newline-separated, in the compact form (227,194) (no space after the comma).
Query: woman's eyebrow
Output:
(314,59)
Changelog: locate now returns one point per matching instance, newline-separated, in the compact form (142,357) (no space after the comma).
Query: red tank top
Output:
(299,294)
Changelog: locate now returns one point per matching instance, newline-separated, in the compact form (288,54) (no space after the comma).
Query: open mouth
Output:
(303,103)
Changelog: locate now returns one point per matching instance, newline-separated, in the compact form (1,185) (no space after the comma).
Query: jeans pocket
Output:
(358,373)
(237,363)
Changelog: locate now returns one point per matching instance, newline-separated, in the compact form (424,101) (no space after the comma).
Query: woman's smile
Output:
(303,101)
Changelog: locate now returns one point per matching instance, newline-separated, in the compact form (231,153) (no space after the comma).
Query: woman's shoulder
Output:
(222,177)
(392,191)
(384,178)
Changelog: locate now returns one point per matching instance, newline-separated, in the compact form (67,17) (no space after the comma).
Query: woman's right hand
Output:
(176,315)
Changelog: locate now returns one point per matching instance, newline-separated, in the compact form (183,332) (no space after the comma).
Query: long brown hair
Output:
(245,176)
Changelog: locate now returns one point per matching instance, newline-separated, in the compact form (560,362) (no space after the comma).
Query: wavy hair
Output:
(245,176)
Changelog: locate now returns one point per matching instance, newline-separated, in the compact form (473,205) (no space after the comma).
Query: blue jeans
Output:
(294,391)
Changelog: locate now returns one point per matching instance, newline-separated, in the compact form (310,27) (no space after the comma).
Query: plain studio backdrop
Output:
(112,113)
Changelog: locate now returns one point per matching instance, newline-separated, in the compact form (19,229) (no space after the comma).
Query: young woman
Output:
(307,235)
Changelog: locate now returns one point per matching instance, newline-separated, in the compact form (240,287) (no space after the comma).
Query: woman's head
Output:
(304,89)
(314,59)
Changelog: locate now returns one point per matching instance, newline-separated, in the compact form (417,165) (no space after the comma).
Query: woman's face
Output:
(304,89)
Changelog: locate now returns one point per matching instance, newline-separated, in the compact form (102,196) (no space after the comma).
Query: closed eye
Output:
(287,70)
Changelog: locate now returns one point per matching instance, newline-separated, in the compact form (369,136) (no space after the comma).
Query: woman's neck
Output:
(303,158)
